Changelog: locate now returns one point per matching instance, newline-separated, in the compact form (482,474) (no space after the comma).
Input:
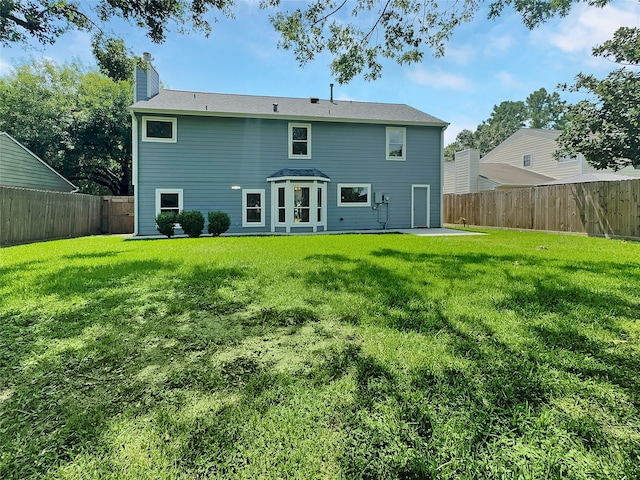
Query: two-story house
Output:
(525,159)
(279,164)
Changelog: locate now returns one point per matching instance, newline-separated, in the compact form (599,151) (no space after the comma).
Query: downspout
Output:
(134,167)
(441,178)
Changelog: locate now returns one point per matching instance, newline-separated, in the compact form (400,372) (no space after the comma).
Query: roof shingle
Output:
(219,104)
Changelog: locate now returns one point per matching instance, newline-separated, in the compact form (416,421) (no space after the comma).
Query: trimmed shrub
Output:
(165,223)
(219,222)
(192,222)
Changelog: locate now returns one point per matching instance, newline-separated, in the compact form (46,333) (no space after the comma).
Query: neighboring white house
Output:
(524,159)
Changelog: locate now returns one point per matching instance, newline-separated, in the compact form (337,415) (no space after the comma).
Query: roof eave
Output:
(281,116)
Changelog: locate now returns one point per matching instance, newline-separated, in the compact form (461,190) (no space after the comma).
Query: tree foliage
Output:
(75,120)
(358,34)
(606,127)
(45,20)
(540,110)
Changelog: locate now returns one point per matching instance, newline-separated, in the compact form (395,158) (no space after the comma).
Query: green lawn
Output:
(510,355)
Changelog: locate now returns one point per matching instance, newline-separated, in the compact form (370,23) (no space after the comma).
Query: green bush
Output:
(219,222)
(192,222)
(165,223)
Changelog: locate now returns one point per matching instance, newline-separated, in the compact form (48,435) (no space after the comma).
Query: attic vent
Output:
(314,99)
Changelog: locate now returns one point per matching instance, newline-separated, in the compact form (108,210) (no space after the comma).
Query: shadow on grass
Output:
(185,364)
(505,387)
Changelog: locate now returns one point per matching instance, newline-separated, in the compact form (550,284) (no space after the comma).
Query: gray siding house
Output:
(19,167)
(285,165)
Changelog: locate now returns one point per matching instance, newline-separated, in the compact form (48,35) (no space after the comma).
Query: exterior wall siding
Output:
(213,154)
(540,145)
(19,168)
(449,178)
(147,83)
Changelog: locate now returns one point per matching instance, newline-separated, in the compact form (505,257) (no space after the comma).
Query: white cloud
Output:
(5,68)
(460,54)
(456,127)
(498,44)
(586,26)
(508,80)
(438,79)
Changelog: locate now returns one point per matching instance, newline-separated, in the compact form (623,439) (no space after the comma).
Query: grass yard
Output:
(510,355)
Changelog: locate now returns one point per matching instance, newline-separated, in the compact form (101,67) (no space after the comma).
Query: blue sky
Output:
(485,63)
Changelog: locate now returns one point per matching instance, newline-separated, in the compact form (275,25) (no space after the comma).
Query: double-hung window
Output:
(396,143)
(252,208)
(160,129)
(169,200)
(299,140)
(527,160)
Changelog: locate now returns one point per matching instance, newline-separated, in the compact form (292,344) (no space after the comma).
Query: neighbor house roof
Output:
(20,167)
(508,175)
(590,177)
(218,104)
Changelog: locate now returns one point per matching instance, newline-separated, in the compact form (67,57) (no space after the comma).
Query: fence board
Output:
(117,214)
(597,208)
(33,215)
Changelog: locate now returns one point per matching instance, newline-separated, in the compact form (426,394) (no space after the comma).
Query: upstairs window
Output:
(160,129)
(299,140)
(396,143)
(526,160)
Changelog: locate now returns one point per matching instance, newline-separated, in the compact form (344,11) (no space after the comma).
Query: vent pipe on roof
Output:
(275,107)
(331,87)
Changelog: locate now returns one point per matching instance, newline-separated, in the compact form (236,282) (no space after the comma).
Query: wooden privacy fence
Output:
(595,208)
(33,215)
(117,214)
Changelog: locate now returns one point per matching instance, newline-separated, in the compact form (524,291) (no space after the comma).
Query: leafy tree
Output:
(606,130)
(358,34)
(624,48)
(545,110)
(606,127)
(465,139)
(393,29)
(541,110)
(506,119)
(75,120)
(46,20)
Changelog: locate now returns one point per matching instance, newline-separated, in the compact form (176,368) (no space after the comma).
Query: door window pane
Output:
(301,204)
(254,209)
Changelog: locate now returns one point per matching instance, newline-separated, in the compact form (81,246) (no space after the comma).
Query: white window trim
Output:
(179,191)
(354,204)
(289,222)
(404,144)
(245,222)
(174,129)
(568,158)
(290,147)
(530,155)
